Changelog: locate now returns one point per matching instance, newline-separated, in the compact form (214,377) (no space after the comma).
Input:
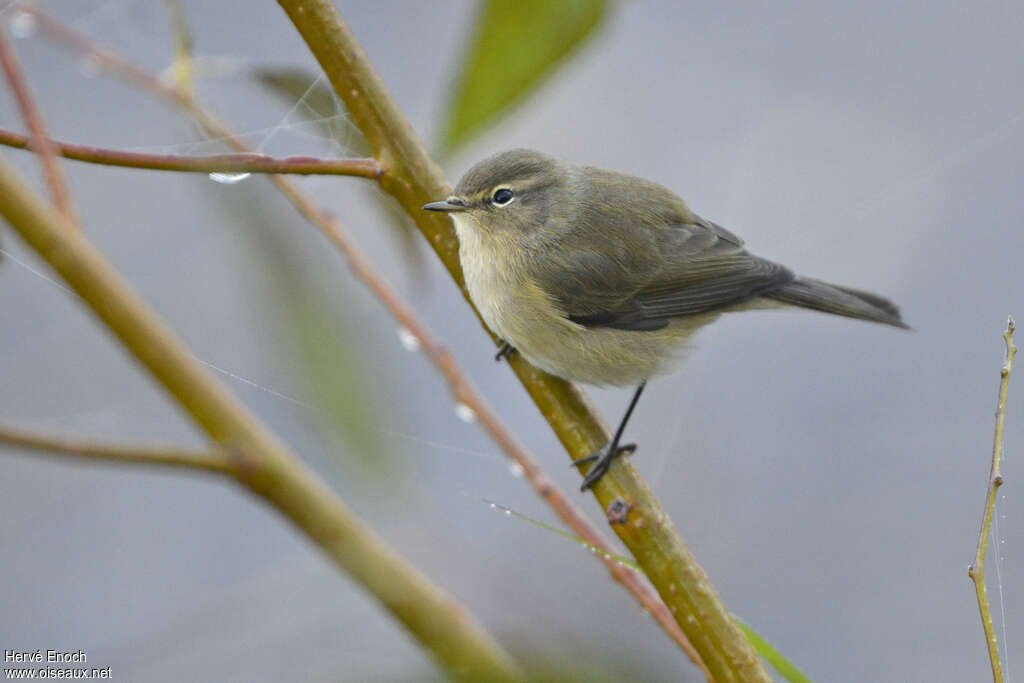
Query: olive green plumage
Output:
(601,277)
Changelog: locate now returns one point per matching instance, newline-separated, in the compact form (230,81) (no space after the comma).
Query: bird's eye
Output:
(502,196)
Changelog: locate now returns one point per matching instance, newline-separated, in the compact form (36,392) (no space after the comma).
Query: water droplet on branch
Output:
(465,413)
(410,342)
(229,178)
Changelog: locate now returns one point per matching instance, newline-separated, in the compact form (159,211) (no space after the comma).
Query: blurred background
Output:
(828,474)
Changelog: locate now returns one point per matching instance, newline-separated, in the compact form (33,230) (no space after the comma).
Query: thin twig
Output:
(214,163)
(462,389)
(39,140)
(19,437)
(995,479)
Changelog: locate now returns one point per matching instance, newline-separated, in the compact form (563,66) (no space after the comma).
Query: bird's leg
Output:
(603,459)
(504,351)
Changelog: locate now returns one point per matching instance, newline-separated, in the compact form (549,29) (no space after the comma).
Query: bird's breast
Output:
(498,277)
(494,278)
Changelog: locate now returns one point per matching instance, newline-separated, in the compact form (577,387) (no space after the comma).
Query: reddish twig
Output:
(214,163)
(39,141)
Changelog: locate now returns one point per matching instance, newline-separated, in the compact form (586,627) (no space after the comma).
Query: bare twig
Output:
(214,163)
(212,461)
(40,141)
(995,479)
(459,383)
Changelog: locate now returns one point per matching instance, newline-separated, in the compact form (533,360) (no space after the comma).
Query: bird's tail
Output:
(853,303)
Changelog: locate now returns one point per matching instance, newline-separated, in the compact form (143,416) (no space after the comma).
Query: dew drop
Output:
(494,506)
(23,25)
(410,342)
(508,513)
(465,413)
(516,470)
(229,178)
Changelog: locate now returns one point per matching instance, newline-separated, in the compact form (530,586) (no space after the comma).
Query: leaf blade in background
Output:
(517,45)
(785,667)
(316,328)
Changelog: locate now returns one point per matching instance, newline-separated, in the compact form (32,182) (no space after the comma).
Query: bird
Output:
(601,278)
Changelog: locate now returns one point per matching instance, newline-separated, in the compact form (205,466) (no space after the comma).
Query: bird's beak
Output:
(448,205)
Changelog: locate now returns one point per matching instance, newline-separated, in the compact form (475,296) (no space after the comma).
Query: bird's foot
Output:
(504,351)
(602,461)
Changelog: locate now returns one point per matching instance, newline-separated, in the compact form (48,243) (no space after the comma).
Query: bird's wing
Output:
(643,278)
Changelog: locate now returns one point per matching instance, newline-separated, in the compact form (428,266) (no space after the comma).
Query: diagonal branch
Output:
(214,163)
(995,479)
(39,141)
(212,461)
(414,179)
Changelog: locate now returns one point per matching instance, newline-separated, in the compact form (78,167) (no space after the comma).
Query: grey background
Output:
(828,474)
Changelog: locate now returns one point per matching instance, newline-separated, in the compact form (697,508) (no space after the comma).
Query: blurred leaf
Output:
(518,43)
(785,667)
(306,317)
(337,374)
(182,69)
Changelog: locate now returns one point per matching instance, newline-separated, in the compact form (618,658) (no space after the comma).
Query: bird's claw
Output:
(504,351)
(602,461)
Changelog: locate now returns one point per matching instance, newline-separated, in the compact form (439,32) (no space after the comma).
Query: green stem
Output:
(261,462)
(412,177)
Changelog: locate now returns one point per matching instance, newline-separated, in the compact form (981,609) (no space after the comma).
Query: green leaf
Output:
(518,43)
(785,667)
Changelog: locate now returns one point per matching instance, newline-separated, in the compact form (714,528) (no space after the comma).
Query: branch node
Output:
(618,511)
